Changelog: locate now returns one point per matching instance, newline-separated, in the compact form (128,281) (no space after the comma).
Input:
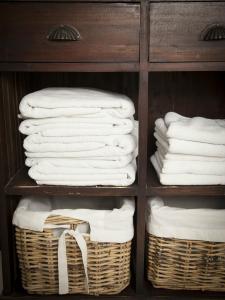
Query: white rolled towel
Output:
(47,173)
(57,102)
(81,146)
(101,162)
(196,129)
(190,167)
(186,179)
(73,126)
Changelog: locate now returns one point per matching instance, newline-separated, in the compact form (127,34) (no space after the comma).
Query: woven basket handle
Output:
(62,259)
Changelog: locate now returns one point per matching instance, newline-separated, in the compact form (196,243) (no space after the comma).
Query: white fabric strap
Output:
(62,259)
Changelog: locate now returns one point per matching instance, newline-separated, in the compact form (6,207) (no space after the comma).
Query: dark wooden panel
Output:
(105,1)
(186,66)
(148,293)
(168,0)
(175,32)
(160,294)
(69,67)
(12,88)
(142,159)
(109,32)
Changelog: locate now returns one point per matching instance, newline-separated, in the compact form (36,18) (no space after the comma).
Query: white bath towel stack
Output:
(190,151)
(79,137)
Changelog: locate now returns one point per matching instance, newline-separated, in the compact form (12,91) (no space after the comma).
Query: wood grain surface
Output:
(109,32)
(175,32)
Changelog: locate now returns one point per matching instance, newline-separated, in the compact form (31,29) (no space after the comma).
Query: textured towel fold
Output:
(57,102)
(82,146)
(190,150)
(186,179)
(177,146)
(197,129)
(182,223)
(171,156)
(190,167)
(73,126)
(47,173)
(111,162)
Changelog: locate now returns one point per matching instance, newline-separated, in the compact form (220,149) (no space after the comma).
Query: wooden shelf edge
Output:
(67,297)
(21,184)
(149,293)
(185,66)
(104,1)
(166,294)
(155,188)
(69,67)
(128,293)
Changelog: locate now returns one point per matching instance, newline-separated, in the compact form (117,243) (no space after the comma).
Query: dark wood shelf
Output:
(156,293)
(104,1)
(22,184)
(148,293)
(69,67)
(128,293)
(185,66)
(155,188)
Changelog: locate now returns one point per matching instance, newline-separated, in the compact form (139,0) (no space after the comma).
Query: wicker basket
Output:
(108,263)
(185,264)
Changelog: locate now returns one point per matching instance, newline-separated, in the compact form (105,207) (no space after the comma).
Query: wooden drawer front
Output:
(108,32)
(176,32)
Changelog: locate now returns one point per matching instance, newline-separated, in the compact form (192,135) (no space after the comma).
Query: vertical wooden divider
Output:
(12,88)
(142,160)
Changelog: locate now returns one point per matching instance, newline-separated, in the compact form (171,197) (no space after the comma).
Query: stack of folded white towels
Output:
(190,151)
(79,137)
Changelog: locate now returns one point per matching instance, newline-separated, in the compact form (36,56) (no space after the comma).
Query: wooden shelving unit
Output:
(155,87)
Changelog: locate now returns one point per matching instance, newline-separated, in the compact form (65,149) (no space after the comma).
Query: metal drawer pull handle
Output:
(214,32)
(64,33)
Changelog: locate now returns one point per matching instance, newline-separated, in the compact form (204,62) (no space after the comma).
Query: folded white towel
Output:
(82,146)
(177,146)
(73,126)
(190,167)
(186,179)
(88,162)
(171,156)
(182,223)
(57,102)
(197,129)
(47,173)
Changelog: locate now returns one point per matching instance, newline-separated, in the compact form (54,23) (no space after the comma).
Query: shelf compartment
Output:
(22,184)
(155,188)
